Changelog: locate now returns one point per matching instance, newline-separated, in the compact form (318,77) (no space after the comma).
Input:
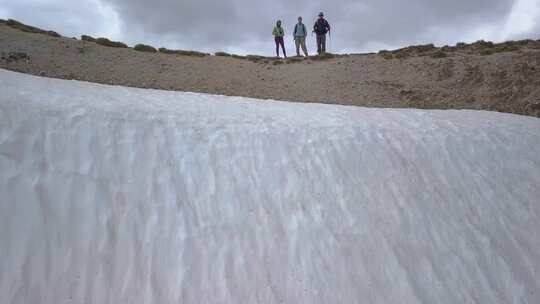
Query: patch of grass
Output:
(277,62)
(422,48)
(30,29)
(255,58)
(109,43)
(15,56)
(223,54)
(23,27)
(481,44)
(529,43)
(487,52)
(53,34)
(438,54)
(238,56)
(182,52)
(402,54)
(503,48)
(2,21)
(166,51)
(294,60)
(534,45)
(327,56)
(518,43)
(461,45)
(144,48)
(509,46)
(322,56)
(486,48)
(88,38)
(386,54)
(448,48)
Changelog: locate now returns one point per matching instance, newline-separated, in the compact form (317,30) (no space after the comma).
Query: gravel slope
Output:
(508,82)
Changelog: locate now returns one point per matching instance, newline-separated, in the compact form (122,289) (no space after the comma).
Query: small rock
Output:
(16,56)
(42,73)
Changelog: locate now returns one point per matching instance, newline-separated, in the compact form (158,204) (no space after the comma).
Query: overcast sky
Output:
(245,26)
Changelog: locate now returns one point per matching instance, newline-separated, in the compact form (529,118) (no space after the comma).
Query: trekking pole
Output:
(329,42)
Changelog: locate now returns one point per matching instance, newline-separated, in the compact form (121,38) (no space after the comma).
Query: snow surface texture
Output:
(122,195)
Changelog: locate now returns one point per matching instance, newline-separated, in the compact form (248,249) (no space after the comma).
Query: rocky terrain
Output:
(499,77)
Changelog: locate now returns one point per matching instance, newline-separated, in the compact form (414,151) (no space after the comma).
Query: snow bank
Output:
(121,195)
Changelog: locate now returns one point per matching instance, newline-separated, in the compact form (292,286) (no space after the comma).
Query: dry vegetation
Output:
(481,47)
(109,43)
(237,56)
(223,54)
(88,38)
(29,29)
(182,52)
(144,48)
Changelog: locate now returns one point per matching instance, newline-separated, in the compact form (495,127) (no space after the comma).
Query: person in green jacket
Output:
(278,33)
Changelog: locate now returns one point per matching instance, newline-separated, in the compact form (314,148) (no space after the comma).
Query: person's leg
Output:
(297,42)
(282,42)
(318,44)
(303,44)
(276,40)
(323,43)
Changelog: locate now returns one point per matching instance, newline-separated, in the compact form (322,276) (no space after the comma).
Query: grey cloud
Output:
(71,18)
(215,25)
(418,21)
(245,25)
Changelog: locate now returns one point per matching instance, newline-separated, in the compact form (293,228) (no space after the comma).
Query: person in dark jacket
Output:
(320,28)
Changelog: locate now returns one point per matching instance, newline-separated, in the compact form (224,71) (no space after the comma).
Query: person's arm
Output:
(274,31)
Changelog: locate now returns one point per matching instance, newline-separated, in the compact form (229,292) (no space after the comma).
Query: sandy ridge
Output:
(507,81)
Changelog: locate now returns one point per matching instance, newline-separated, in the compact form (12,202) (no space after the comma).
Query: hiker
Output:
(300,34)
(320,28)
(278,38)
